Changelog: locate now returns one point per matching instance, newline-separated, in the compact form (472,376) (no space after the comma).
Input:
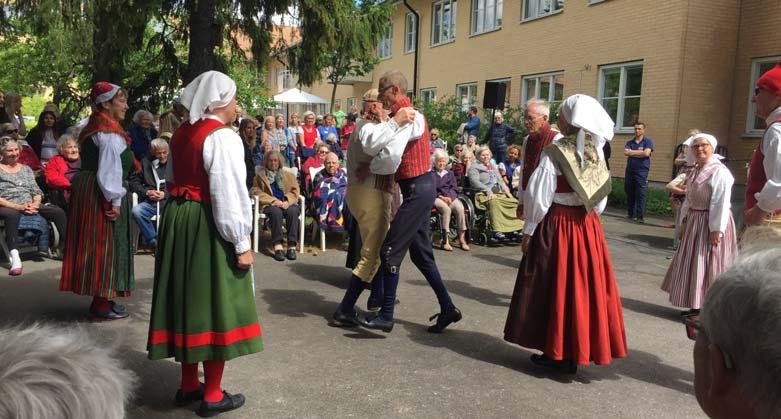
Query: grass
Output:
(657,201)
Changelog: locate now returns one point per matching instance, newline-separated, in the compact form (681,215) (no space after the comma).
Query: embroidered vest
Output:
(531,153)
(416,159)
(192,181)
(756,172)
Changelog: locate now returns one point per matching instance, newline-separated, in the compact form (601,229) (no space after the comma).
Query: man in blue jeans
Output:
(149,185)
(638,152)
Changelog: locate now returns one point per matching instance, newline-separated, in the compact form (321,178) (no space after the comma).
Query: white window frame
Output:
(532,9)
(465,107)
(284,79)
(385,46)
(439,14)
(751,111)
(486,16)
(428,95)
(409,33)
(551,94)
(621,91)
(350,103)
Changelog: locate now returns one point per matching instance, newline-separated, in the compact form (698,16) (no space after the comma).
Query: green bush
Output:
(657,201)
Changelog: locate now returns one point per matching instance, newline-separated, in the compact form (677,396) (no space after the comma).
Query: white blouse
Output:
(541,193)
(721,182)
(110,147)
(769,198)
(386,141)
(519,193)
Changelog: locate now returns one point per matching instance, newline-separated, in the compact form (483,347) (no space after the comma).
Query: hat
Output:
(103,91)
(586,113)
(771,80)
(371,95)
(209,91)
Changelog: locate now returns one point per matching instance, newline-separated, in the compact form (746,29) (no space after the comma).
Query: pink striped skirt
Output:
(697,263)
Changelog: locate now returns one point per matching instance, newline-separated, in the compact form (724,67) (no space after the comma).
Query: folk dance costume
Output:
(533,145)
(98,259)
(566,303)
(698,262)
(203,307)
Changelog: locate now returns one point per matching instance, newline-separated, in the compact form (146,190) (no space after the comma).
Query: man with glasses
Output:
(763,186)
(499,137)
(541,134)
(638,163)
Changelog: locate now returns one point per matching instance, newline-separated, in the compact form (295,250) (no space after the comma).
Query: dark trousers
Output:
(499,153)
(276,215)
(635,186)
(49,212)
(409,230)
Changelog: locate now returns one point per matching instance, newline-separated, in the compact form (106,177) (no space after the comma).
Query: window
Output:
(619,92)
(548,86)
(384,48)
(532,9)
(428,95)
(443,27)
(350,103)
(284,80)
(409,34)
(466,95)
(486,15)
(755,125)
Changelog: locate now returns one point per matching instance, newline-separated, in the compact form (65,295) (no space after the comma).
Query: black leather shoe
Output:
(564,365)
(183,398)
(119,308)
(375,322)
(109,315)
(291,254)
(279,255)
(640,220)
(229,402)
(342,319)
(444,320)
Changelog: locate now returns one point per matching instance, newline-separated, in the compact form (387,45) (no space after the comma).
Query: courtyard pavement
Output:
(311,370)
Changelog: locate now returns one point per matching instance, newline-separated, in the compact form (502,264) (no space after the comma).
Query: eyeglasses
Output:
(384,89)
(322,152)
(694,327)
(695,146)
(531,117)
(13,131)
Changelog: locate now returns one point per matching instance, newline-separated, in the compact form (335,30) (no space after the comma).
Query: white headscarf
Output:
(584,112)
(210,90)
(690,154)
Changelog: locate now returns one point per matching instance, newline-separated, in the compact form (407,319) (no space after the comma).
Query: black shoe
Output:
(343,319)
(183,398)
(229,402)
(444,319)
(279,255)
(375,322)
(640,220)
(499,236)
(119,308)
(564,365)
(291,254)
(690,312)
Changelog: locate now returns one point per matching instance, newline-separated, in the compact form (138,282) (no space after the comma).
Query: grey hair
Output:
(5,140)
(542,106)
(53,372)
(394,78)
(498,113)
(466,154)
(268,156)
(307,114)
(742,316)
(140,114)
(481,149)
(159,144)
(438,155)
(64,140)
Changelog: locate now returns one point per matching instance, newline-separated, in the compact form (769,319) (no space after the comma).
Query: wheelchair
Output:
(481,228)
(435,221)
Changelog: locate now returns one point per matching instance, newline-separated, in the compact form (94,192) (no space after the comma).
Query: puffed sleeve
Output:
(539,194)
(721,185)
(110,147)
(222,160)
(769,198)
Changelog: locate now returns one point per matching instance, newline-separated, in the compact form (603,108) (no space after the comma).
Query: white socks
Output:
(16,261)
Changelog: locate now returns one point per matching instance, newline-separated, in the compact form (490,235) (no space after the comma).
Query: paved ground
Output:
(311,370)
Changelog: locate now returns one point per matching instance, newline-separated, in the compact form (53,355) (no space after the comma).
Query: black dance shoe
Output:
(229,402)
(279,255)
(444,320)
(343,319)
(376,323)
(291,254)
(569,367)
(183,398)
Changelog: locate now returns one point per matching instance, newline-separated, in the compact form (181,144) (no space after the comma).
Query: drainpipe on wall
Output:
(417,37)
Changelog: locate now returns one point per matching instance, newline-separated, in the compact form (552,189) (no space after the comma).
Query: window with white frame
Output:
(620,86)
(350,103)
(443,25)
(409,33)
(546,86)
(486,15)
(384,47)
(755,125)
(428,95)
(284,79)
(533,9)
(466,95)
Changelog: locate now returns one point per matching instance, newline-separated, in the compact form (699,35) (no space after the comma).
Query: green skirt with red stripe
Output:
(98,258)
(203,307)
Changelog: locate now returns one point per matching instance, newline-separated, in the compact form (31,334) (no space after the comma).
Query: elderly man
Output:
(499,137)
(763,187)
(149,185)
(638,163)
(736,354)
(171,120)
(536,118)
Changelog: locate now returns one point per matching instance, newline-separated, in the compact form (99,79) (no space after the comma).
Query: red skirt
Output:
(566,303)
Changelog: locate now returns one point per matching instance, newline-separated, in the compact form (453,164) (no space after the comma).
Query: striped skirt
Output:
(697,263)
(98,258)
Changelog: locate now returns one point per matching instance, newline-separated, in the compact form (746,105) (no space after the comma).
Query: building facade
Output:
(672,64)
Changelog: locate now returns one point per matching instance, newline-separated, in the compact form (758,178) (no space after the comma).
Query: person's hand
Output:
(490,195)
(277,203)
(244,260)
(112,214)
(715,237)
(754,216)
(405,116)
(29,209)
(526,243)
(284,204)
(519,212)
(674,203)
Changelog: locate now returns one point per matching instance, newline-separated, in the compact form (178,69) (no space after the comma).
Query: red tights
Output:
(212,371)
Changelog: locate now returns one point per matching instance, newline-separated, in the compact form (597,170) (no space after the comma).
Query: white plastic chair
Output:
(258,220)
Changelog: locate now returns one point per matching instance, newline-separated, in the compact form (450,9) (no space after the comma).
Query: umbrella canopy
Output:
(297,96)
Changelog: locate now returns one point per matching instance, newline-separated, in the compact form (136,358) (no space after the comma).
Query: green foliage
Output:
(446,115)
(33,106)
(657,201)
(250,88)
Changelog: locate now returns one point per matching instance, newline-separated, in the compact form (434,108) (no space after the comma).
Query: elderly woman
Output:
(20,196)
(277,191)
(62,168)
(461,168)
(252,156)
(330,185)
(27,155)
(709,242)
(436,141)
(493,194)
(293,133)
(315,162)
(447,201)
(43,137)
(458,150)
(309,134)
(273,135)
(329,133)
(471,145)
(142,133)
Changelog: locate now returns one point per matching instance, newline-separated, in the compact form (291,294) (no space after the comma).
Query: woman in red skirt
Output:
(566,303)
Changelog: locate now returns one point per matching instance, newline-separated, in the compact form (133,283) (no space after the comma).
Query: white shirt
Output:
(110,147)
(721,182)
(541,194)
(386,141)
(769,198)
(519,193)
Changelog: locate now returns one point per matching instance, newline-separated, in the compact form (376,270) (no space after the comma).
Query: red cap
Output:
(771,80)
(103,91)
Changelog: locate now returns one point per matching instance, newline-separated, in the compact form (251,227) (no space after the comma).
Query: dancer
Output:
(98,258)
(409,229)
(541,135)
(203,308)
(565,301)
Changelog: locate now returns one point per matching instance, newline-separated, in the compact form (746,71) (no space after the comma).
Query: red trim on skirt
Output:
(158,337)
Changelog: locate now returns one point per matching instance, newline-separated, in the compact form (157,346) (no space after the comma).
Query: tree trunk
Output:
(204,37)
(333,96)
(105,56)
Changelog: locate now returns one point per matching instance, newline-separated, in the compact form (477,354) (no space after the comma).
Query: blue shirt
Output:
(473,125)
(639,163)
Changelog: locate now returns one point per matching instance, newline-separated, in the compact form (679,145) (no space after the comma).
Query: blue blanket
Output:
(34,229)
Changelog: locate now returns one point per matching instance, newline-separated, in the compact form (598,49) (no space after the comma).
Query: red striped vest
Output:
(756,173)
(416,159)
(192,181)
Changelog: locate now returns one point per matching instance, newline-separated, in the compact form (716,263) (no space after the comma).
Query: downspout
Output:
(417,37)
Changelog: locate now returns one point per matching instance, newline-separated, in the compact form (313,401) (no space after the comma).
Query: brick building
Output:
(673,64)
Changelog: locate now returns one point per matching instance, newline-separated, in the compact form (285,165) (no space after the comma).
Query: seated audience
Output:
(330,185)
(436,141)
(512,166)
(27,155)
(471,145)
(142,132)
(461,168)
(43,137)
(61,169)
(277,192)
(253,155)
(312,164)
(458,150)
(493,194)
(447,201)
(149,185)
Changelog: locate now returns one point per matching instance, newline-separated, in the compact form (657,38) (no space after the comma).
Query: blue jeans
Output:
(142,214)
(635,186)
